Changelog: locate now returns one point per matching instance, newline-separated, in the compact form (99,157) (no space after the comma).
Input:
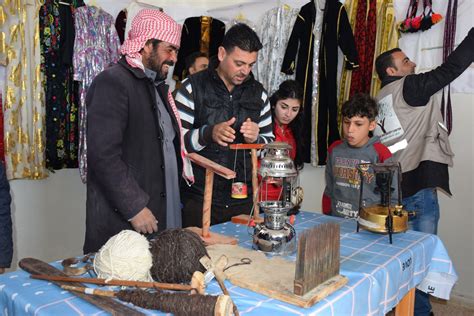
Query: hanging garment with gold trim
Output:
(23,92)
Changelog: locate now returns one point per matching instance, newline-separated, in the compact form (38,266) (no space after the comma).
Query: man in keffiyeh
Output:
(135,151)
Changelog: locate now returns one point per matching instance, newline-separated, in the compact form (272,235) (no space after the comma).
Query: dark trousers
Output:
(192,211)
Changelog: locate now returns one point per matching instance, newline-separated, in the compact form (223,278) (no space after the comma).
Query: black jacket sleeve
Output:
(289,60)
(346,40)
(6,242)
(418,89)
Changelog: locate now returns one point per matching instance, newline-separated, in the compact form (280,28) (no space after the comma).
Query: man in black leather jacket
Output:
(220,106)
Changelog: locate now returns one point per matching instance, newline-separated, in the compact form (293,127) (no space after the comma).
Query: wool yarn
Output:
(176,254)
(125,256)
(179,304)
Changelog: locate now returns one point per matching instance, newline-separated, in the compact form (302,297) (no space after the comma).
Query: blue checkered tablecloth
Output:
(379,276)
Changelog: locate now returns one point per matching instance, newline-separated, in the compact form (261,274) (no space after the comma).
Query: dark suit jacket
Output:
(124,152)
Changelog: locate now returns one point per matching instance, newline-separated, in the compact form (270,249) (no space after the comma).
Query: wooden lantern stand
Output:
(211,167)
(244,218)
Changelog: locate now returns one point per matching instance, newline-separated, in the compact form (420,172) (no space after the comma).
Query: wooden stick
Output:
(256,210)
(108,304)
(246,146)
(88,290)
(209,164)
(206,205)
(158,285)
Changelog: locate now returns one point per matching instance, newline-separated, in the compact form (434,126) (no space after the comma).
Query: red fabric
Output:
(148,24)
(272,192)
(326,205)
(383,152)
(365,32)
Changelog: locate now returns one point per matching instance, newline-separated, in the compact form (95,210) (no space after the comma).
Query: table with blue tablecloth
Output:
(380,275)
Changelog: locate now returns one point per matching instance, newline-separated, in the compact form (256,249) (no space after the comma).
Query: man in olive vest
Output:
(410,123)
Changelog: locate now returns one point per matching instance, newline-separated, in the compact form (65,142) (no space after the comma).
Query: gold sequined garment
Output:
(24,97)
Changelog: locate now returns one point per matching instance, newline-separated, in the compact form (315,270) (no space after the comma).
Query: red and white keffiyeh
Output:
(154,24)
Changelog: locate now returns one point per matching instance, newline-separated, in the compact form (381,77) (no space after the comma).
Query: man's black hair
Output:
(361,104)
(384,61)
(243,37)
(191,59)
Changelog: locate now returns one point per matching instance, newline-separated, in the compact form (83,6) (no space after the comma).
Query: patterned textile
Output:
(23,91)
(386,38)
(96,46)
(148,24)
(365,32)
(318,55)
(57,42)
(380,274)
(273,33)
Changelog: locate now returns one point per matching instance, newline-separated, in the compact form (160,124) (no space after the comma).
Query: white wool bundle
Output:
(125,256)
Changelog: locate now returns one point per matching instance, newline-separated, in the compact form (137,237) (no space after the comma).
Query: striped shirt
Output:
(196,139)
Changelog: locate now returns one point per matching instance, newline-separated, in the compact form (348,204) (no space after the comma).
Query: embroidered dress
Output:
(96,46)
(365,32)
(273,31)
(57,38)
(23,91)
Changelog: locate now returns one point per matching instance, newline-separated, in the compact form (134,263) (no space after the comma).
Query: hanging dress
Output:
(95,47)
(57,40)
(273,31)
(23,91)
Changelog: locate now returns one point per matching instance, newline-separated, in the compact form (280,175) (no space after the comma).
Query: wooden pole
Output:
(212,168)
(88,290)
(206,206)
(256,209)
(164,286)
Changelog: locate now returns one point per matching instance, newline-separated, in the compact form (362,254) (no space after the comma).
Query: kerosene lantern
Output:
(382,217)
(276,235)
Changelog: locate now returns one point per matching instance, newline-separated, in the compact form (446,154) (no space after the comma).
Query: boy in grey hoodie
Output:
(341,196)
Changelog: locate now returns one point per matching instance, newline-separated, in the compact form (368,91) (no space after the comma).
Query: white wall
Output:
(49,215)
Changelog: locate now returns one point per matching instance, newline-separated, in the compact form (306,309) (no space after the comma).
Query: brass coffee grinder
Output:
(383,217)
(276,235)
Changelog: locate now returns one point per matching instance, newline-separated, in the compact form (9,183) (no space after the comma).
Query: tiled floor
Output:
(449,308)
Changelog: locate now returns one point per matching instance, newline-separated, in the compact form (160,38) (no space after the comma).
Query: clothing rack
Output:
(234,6)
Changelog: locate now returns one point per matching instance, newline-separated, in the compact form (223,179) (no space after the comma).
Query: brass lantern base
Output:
(374,218)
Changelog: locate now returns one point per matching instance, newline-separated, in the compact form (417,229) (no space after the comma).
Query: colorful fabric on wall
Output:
(23,91)
(386,38)
(365,32)
(425,49)
(57,38)
(273,33)
(96,45)
(448,47)
(200,33)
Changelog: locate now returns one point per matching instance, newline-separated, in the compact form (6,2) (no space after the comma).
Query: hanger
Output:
(233,6)
(92,3)
(64,3)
